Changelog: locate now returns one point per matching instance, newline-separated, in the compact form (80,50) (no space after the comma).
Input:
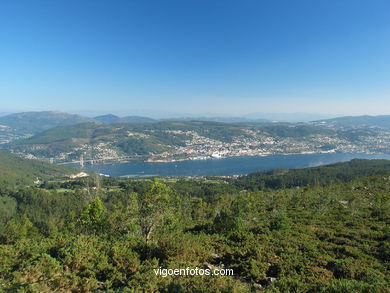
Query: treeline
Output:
(314,176)
(109,234)
(15,171)
(291,130)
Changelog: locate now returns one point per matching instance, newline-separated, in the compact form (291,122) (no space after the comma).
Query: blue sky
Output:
(195,56)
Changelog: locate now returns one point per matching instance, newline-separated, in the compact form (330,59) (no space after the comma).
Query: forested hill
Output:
(113,234)
(33,122)
(320,176)
(381,121)
(19,171)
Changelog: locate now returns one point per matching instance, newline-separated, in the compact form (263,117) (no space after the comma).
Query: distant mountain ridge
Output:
(289,117)
(34,122)
(68,137)
(381,121)
(221,119)
(18,125)
(112,119)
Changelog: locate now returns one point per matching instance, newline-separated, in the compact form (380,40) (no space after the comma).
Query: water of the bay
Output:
(226,166)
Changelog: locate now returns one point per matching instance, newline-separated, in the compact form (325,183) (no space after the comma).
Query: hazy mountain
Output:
(289,117)
(111,119)
(34,122)
(108,119)
(222,119)
(137,119)
(382,121)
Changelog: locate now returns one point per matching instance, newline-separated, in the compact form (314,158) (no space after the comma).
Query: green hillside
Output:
(291,130)
(18,171)
(60,139)
(148,138)
(113,235)
(314,176)
(34,122)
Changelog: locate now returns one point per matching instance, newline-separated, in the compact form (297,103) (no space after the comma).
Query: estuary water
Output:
(225,166)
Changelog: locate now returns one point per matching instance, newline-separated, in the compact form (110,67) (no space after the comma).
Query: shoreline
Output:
(118,162)
(227,167)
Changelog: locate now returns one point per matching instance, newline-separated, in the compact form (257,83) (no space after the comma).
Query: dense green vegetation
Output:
(18,171)
(141,146)
(314,176)
(98,234)
(60,139)
(355,135)
(214,130)
(291,130)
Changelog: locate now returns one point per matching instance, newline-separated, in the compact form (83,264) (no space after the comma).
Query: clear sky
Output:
(195,56)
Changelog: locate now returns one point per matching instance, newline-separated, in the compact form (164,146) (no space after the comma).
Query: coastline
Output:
(238,165)
(207,158)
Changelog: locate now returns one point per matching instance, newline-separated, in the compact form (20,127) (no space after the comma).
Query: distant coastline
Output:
(204,158)
(231,166)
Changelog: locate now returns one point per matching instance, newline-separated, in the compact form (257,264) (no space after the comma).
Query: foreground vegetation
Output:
(108,235)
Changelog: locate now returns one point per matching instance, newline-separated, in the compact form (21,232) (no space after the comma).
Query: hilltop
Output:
(366,121)
(113,119)
(34,122)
